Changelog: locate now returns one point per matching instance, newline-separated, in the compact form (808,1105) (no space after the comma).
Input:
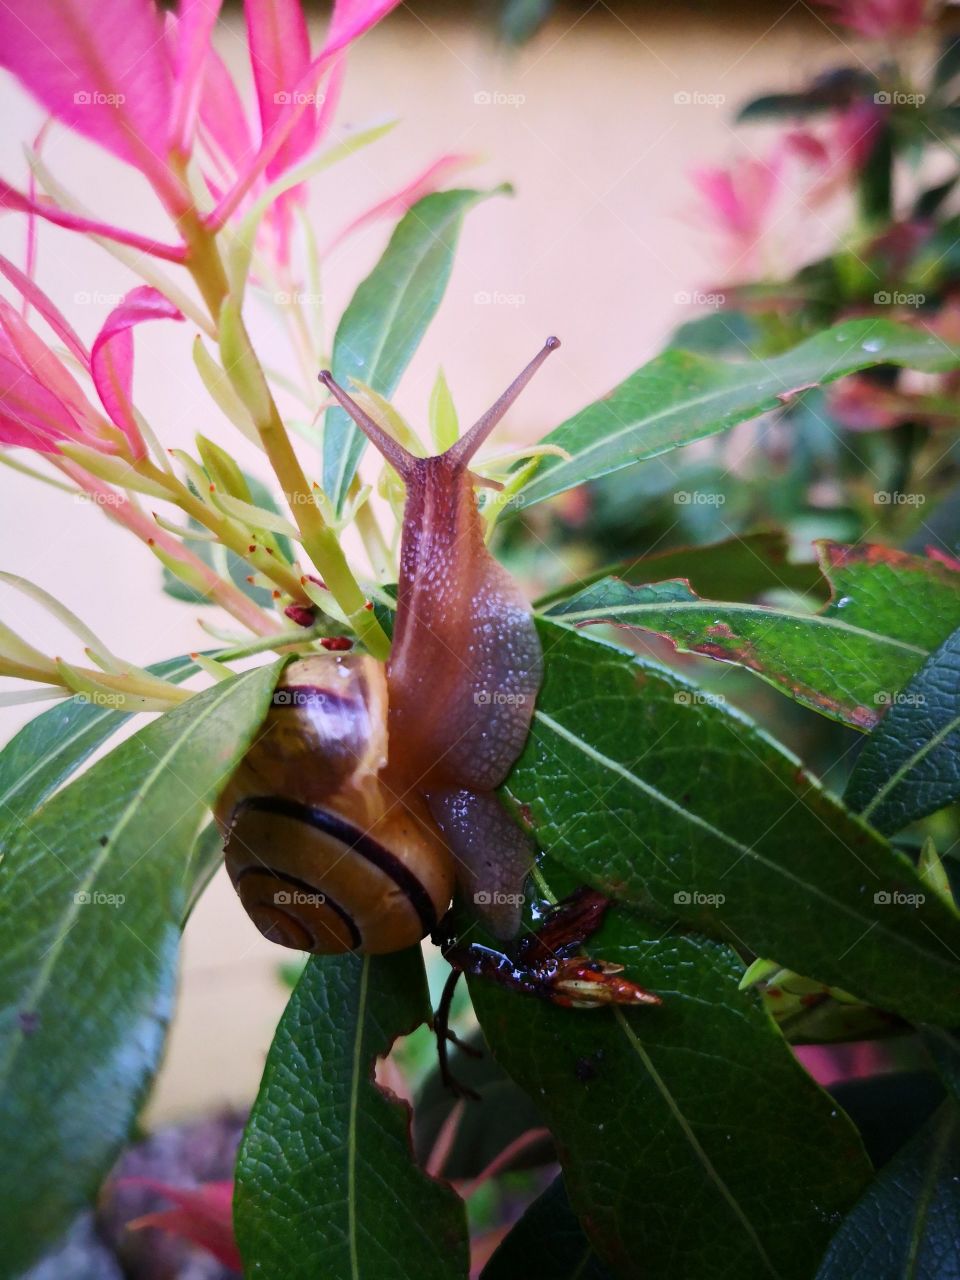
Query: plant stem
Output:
(245,371)
(228,532)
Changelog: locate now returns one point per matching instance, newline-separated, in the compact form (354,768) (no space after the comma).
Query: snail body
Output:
(371,788)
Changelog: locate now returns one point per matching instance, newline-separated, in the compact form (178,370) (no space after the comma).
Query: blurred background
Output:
(598,117)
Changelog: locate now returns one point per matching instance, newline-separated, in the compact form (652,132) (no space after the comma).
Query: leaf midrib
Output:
(63,745)
(912,760)
(391,311)
(709,1168)
(615,612)
(36,991)
(675,408)
(745,850)
(925,1198)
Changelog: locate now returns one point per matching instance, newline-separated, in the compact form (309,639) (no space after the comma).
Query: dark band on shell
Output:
(304,886)
(355,840)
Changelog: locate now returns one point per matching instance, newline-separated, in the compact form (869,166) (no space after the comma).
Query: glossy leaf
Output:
(326,1183)
(86,990)
(887,613)
(547,1244)
(672,1122)
(661,796)
(55,744)
(910,764)
(905,1226)
(680,397)
(740,568)
(387,317)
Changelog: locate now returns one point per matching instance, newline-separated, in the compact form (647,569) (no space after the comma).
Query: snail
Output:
(371,789)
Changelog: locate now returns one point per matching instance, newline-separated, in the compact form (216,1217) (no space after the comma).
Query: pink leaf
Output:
(350,19)
(13,200)
(880,19)
(111,358)
(22,345)
(101,69)
(204,1216)
(223,120)
(193,32)
(400,201)
(31,416)
(280,55)
(854,1060)
(33,294)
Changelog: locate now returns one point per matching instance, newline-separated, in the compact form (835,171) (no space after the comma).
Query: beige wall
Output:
(600,237)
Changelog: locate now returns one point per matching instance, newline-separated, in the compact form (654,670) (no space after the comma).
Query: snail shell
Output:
(326,855)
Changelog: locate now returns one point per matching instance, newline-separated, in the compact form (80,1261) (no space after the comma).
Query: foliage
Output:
(699,675)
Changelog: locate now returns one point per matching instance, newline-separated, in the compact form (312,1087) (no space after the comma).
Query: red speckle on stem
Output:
(336,644)
(300,614)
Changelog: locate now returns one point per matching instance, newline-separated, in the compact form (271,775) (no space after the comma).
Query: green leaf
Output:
(674,1123)
(55,744)
(738,568)
(387,317)
(830,91)
(910,764)
(95,893)
(680,397)
(547,1244)
(663,797)
(905,1226)
(326,1183)
(887,613)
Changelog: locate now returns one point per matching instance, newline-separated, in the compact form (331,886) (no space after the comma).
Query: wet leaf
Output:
(680,397)
(672,1122)
(887,613)
(663,797)
(387,317)
(102,872)
(326,1183)
(910,764)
